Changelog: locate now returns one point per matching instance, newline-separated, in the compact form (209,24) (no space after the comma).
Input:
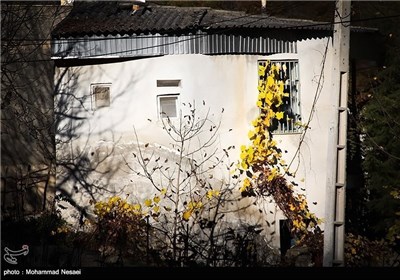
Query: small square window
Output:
(101,96)
(168,105)
(168,83)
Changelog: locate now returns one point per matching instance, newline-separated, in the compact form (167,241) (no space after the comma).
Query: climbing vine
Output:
(261,161)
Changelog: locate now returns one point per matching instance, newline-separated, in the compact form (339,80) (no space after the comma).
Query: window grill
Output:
(288,71)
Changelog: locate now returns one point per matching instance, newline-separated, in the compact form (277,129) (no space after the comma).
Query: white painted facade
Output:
(222,81)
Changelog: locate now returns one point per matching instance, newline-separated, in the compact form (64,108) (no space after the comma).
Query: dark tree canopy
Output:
(382,142)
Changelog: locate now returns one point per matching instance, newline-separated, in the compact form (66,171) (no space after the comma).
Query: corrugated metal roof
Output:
(104,18)
(114,29)
(110,18)
(157,44)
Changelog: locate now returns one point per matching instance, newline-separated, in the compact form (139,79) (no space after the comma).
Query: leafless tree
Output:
(196,220)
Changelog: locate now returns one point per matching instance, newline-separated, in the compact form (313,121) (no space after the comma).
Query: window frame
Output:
(174,83)
(93,96)
(177,105)
(296,129)
(168,88)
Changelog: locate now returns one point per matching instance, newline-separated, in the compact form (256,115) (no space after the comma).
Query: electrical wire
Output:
(312,111)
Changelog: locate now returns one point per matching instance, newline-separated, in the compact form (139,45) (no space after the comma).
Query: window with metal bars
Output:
(288,71)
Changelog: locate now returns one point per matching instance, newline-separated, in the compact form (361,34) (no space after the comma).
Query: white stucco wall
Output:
(222,81)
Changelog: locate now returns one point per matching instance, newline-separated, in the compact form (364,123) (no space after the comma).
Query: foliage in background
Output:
(363,252)
(120,229)
(381,145)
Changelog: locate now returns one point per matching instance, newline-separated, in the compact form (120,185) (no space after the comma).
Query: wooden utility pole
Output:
(334,232)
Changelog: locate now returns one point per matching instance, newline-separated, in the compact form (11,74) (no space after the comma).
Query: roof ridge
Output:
(104,18)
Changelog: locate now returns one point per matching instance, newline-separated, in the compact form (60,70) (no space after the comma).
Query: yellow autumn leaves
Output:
(212,193)
(194,206)
(191,207)
(151,206)
(279,115)
(270,90)
(116,206)
(303,218)
(261,161)
(263,149)
(246,185)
